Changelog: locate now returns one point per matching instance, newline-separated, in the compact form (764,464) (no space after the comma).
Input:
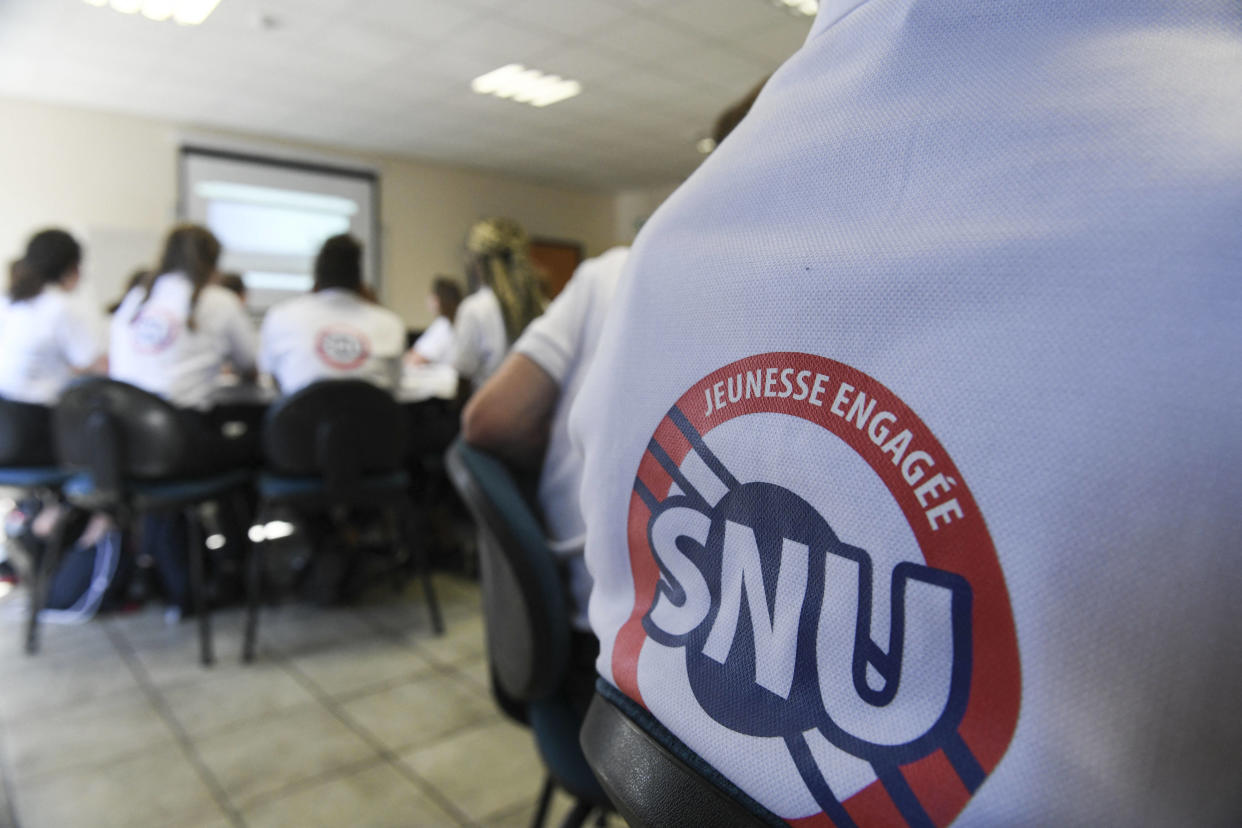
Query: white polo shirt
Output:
(912,446)
(332,334)
(562,342)
(436,343)
(154,348)
(44,342)
(481,341)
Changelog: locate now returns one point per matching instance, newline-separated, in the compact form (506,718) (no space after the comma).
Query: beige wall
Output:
(111,179)
(632,208)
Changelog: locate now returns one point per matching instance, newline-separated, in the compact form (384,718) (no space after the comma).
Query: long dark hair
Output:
(190,249)
(448,294)
(50,254)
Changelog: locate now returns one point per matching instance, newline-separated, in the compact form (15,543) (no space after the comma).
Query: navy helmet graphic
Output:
(895,659)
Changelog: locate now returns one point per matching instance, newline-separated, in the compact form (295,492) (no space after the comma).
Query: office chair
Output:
(659,782)
(527,621)
(28,463)
(331,446)
(134,453)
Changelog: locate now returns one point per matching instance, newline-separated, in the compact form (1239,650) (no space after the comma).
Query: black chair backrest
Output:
(115,431)
(339,430)
(524,599)
(659,783)
(25,434)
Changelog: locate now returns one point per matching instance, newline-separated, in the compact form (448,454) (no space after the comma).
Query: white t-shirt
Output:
(158,352)
(436,343)
(562,342)
(332,334)
(481,341)
(911,446)
(44,341)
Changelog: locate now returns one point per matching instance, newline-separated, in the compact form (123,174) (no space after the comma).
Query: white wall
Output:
(111,180)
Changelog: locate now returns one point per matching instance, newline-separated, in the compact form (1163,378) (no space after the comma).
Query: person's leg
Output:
(164,539)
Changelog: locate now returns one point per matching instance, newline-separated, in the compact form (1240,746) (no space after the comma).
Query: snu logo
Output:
(789,631)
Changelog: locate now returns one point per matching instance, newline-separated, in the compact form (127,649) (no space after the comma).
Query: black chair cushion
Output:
(25,434)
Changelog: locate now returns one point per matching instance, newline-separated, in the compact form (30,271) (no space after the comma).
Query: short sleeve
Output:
(467,350)
(552,340)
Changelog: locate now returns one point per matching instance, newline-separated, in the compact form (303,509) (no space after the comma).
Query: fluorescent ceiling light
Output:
(804,7)
(193,12)
(157,9)
(185,12)
(516,82)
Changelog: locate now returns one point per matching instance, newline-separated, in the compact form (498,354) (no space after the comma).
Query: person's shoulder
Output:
(604,267)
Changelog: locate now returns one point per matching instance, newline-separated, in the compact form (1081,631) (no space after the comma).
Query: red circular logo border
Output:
(961,544)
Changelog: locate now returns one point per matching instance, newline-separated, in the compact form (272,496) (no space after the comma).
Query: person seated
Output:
(506,297)
(435,346)
(908,481)
(174,333)
(48,335)
(334,332)
(172,336)
(522,412)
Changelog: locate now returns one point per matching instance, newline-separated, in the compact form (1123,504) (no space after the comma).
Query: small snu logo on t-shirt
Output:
(155,330)
(812,575)
(341,347)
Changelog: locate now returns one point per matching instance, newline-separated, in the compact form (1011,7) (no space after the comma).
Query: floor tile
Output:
(297,629)
(375,797)
(476,671)
(420,711)
(485,770)
(357,665)
(172,657)
(58,681)
(154,789)
(233,696)
(280,750)
(54,639)
(84,735)
(463,640)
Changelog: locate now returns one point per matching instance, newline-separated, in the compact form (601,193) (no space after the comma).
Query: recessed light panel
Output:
(185,12)
(517,83)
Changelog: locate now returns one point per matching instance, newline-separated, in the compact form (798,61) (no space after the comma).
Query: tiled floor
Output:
(357,717)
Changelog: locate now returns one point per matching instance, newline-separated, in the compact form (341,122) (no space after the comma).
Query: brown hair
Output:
(448,294)
(233,282)
(500,258)
(728,120)
(190,249)
(50,254)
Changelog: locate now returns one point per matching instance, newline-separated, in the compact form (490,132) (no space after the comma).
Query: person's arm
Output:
(83,340)
(511,413)
(243,342)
